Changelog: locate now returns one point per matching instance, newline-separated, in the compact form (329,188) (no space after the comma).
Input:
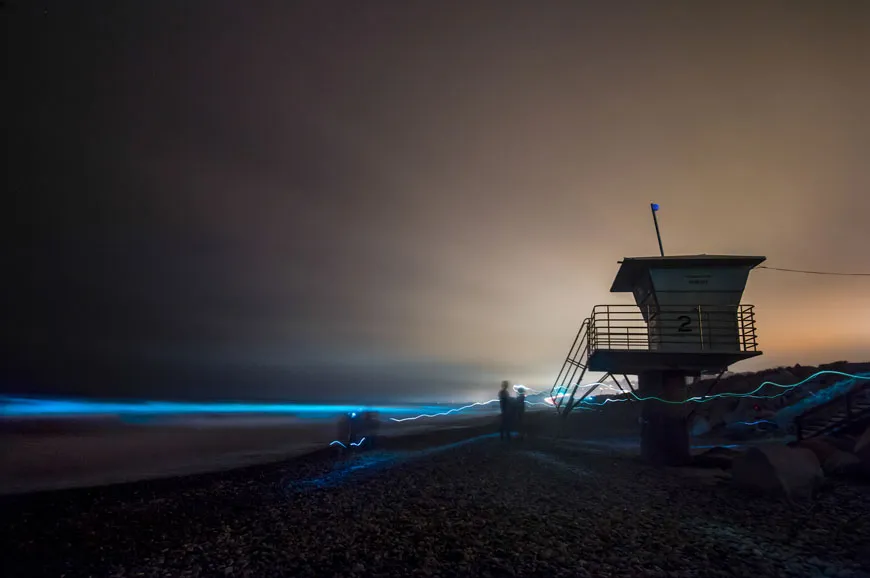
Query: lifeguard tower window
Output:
(688,315)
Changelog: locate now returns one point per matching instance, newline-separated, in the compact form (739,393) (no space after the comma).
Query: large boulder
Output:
(834,456)
(717,457)
(822,448)
(792,472)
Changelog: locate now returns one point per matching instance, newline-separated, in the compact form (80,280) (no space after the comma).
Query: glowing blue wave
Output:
(26,407)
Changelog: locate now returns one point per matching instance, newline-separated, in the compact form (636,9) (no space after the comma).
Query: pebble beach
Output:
(442,507)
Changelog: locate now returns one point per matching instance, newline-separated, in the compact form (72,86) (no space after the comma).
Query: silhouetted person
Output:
(521,411)
(504,401)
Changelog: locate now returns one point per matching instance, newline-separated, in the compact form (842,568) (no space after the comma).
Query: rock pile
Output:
(834,457)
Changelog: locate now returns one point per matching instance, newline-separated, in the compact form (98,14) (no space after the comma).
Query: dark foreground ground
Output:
(475,508)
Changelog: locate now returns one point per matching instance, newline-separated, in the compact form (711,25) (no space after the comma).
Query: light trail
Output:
(352,444)
(754,394)
(443,413)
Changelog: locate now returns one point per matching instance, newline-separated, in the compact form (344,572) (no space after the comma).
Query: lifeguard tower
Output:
(687,320)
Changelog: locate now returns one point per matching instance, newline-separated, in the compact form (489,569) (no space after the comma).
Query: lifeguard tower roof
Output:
(632,269)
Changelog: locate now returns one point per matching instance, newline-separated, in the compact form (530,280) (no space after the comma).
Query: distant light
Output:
(353,414)
(655,206)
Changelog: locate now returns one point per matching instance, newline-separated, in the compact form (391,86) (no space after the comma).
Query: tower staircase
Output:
(573,371)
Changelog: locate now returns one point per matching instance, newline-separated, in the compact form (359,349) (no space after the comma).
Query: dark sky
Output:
(407,200)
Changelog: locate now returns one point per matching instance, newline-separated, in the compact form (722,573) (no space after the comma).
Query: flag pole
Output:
(654,207)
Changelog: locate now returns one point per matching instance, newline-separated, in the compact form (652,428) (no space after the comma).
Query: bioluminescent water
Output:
(35,407)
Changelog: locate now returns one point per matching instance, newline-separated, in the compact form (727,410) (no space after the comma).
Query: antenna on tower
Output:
(654,207)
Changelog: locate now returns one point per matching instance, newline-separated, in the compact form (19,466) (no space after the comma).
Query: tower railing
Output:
(698,328)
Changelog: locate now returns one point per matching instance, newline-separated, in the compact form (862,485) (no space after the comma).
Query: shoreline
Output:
(43,474)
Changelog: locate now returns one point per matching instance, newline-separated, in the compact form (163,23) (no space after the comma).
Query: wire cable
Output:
(814,272)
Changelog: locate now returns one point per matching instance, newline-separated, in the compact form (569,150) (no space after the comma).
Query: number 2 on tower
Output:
(685,321)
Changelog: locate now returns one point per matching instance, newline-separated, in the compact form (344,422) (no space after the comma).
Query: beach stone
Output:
(791,472)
